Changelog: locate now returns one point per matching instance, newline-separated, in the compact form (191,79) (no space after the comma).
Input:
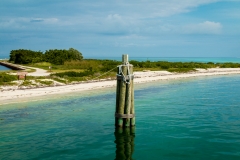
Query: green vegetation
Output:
(76,71)
(23,56)
(45,82)
(228,65)
(54,56)
(74,74)
(60,80)
(60,56)
(90,69)
(164,65)
(68,66)
(84,70)
(43,65)
(6,79)
(181,70)
(27,83)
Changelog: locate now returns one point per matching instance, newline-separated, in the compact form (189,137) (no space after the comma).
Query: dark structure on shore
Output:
(11,66)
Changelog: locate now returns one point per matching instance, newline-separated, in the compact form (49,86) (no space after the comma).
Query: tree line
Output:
(73,59)
(54,56)
(165,65)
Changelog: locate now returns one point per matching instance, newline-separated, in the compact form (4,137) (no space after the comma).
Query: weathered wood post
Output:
(125,114)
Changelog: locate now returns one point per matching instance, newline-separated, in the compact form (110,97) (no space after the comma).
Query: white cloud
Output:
(114,17)
(108,15)
(156,8)
(51,20)
(133,17)
(16,23)
(232,14)
(206,27)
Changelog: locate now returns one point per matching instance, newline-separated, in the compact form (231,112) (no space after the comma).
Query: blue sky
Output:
(110,28)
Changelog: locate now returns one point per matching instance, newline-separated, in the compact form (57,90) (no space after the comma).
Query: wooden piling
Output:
(125,95)
(122,96)
(128,101)
(132,110)
(117,97)
(125,59)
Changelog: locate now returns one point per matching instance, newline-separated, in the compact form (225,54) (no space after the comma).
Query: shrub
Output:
(48,83)
(73,74)
(27,83)
(4,78)
(181,70)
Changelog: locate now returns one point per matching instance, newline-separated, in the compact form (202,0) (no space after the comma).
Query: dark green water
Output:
(181,119)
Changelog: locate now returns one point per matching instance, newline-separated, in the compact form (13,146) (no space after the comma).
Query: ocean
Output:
(176,59)
(3,68)
(191,119)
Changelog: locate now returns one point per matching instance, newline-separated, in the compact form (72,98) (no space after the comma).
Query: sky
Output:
(110,28)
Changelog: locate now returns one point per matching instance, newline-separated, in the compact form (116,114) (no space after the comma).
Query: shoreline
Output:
(16,95)
(12,66)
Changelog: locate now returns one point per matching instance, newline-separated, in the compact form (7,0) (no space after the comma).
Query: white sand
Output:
(140,77)
(38,72)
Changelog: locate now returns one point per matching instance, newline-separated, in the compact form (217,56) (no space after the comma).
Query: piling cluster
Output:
(125,113)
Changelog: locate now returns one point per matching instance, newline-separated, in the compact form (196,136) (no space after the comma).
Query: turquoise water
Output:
(4,56)
(3,68)
(177,59)
(195,118)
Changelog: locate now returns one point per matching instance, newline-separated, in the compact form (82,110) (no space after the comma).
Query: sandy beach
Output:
(15,94)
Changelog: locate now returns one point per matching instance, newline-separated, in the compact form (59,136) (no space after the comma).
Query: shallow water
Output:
(197,118)
(3,68)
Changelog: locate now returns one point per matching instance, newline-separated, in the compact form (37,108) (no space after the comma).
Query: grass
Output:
(11,83)
(2,71)
(60,80)
(181,70)
(67,70)
(45,82)
(30,70)
(147,69)
(3,60)
(89,69)
(6,79)
(42,65)
(27,83)
(55,68)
